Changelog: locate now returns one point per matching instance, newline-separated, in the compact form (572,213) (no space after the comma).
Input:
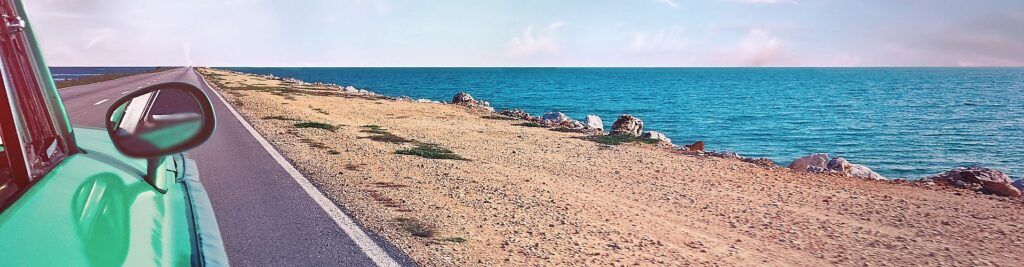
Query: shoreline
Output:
(721,153)
(902,144)
(451,185)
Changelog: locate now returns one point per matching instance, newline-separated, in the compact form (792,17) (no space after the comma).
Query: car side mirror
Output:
(160,120)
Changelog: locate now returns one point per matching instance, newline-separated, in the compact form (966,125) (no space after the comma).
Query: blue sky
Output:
(530,32)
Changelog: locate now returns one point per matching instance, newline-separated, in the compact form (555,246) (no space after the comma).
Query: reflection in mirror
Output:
(154,122)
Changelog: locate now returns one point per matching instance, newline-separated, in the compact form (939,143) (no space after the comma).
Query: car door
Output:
(72,199)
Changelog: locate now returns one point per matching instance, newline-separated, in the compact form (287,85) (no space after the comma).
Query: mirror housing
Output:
(160,120)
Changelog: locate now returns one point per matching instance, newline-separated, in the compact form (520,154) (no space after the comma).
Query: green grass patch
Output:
(280,118)
(430,151)
(374,129)
(618,139)
(317,125)
(455,239)
(531,124)
(416,227)
(382,135)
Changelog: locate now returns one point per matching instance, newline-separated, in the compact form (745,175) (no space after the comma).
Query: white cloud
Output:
(531,43)
(671,3)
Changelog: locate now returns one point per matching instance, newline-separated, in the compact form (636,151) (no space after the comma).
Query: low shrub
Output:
(415,227)
(430,151)
(317,125)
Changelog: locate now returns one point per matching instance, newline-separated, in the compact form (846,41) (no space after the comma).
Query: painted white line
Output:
(370,248)
(101,101)
(125,92)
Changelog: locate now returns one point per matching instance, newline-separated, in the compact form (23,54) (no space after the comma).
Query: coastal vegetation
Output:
(430,151)
(416,227)
(316,125)
(382,135)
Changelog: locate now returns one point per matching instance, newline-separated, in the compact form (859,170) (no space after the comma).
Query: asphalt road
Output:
(265,217)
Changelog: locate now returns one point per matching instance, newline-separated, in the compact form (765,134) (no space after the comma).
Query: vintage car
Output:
(120,196)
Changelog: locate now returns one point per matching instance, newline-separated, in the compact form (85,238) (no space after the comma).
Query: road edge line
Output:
(370,248)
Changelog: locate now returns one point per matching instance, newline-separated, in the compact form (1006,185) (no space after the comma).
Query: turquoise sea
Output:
(902,122)
(67,73)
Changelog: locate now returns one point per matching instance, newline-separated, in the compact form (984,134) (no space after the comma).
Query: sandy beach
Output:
(511,195)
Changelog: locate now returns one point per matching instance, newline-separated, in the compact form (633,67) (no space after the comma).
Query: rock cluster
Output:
(820,163)
(516,114)
(979,179)
(464,99)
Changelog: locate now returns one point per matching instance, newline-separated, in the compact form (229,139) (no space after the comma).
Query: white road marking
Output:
(125,92)
(370,248)
(101,101)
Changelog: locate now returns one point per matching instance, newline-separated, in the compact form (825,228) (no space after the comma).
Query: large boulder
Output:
(656,136)
(992,181)
(863,172)
(627,124)
(839,165)
(593,123)
(555,118)
(463,98)
(813,162)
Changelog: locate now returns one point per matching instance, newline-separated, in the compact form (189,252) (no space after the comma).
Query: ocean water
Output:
(901,122)
(67,73)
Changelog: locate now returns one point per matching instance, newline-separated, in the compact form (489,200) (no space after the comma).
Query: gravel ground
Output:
(532,196)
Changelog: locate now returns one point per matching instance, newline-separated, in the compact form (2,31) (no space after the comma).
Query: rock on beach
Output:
(696,146)
(656,136)
(555,118)
(593,122)
(810,162)
(991,180)
(627,124)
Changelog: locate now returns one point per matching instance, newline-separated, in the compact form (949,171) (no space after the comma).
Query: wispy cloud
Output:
(530,42)
(98,36)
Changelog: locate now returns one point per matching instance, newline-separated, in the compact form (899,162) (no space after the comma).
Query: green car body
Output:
(94,208)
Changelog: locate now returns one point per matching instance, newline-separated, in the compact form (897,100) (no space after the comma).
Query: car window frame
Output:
(16,35)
